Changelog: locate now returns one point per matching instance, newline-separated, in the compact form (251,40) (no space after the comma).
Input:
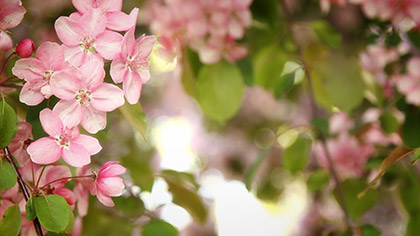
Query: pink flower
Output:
(348,155)
(111,9)
(86,37)
(131,66)
(409,83)
(20,142)
(64,141)
(81,190)
(107,183)
(53,173)
(11,14)
(85,98)
(25,48)
(49,59)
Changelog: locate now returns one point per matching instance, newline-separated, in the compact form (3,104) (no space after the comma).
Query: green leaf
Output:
(11,222)
(220,90)
(283,84)
(249,176)
(414,36)
(188,78)
(338,82)
(318,181)
(268,65)
(184,192)
(392,40)
(326,34)
(158,227)
(245,65)
(388,122)
(140,171)
(357,207)
(8,124)
(8,176)
(53,212)
(411,128)
(135,115)
(295,156)
(370,230)
(30,209)
(130,206)
(321,125)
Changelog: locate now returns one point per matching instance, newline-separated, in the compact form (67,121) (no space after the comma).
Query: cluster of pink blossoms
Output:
(350,153)
(74,72)
(210,27)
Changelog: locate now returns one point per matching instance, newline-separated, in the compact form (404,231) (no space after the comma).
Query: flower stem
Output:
(70,177)
(24,189)
(315,113)
(5,62)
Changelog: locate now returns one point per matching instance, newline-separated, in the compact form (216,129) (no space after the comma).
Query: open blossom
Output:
(131,67)
(11,14)
(48,183)
(85,37)
(115,18)
(348,155)
(107,183)
(64,141)
(38,71)
(85,98)
(20,142)
(409,83)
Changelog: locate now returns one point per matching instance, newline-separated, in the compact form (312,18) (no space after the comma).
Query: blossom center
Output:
(87,45)
(63,142)
(83,96)
(47,75)
(136,64)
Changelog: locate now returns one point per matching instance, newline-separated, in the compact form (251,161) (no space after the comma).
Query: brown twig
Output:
(24,189)
(315,113)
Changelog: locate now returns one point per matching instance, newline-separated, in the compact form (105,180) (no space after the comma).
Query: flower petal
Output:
(30,96)
(69,111)
(68,31)
(29,69)
(6,42)
(90,143)
(111,186)
(93,73)
(51,122)
(107,201)
(108,44)
(132,87)
(144,46)
(76,155)
(93,23)
(118,70)
(65,85)
(93,120)
(44,151)
(119,21)
(107,97)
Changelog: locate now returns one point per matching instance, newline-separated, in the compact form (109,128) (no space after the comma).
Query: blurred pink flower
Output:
(131,66)
(111,9)
(11,14)
(409,83)
(107,183)
(85,37)
(64,141)
(20,142)
(52,173)
(38,71)
(348,155)
(85,97)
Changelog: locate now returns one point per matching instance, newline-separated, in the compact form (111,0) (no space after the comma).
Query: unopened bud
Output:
(25,48)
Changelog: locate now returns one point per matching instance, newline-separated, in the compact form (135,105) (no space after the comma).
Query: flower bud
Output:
(25,48)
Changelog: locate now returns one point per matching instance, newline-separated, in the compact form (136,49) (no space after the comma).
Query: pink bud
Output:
(25,48)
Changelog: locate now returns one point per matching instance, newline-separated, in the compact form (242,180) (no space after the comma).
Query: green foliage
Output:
(8,176)
(370,230)
(53,212)
(357,207)
(411,128)
(30,209)
(219,90)
(389,122)
(337,82)
(414,36)
(140,170)
(321,125)
(135,115)
(249,177)
(326,34)
(158,227)
(268,65)
(11,222)
(184,192)
(318,180)
(130,206)
(8,124)
(295,157)
(188,78)
(245,65)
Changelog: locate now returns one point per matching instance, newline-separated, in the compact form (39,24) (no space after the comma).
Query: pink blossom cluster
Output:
(408,83)
(74,72)
(350,153)
(210,27)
